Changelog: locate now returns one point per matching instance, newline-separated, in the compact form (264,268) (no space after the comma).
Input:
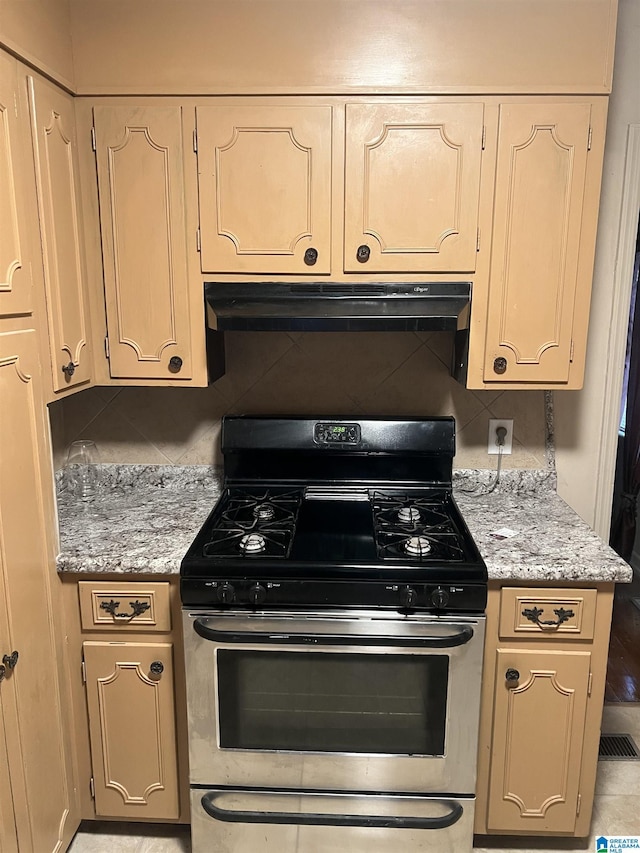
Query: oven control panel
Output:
(257,593)
(336,433)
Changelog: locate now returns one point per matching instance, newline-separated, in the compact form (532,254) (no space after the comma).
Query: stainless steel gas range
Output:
(333,608)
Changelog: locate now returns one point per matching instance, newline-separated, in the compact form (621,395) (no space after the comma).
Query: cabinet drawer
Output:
(526,612)
(128,606)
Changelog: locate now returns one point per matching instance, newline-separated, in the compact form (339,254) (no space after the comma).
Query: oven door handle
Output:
(319,819)
(247,637)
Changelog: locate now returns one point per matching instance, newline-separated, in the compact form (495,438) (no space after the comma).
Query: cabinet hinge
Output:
(571,352)
(478,241)
(590,685)
(83,671)
(578,804)
(195,141)
(198,239)
(589,138)
(484,136)
(15,103)
(107,351)
(92,788)
(93,139)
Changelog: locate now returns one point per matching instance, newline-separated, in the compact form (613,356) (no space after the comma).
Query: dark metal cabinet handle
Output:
(69,369)
(362,254)
(157,667)
(500,365)
(137,608)
(512,676)
(533,614)
(175,364)
(2,672)
(10,660)
(310,257)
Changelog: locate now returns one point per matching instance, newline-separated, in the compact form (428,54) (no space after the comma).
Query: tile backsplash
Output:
(328,373)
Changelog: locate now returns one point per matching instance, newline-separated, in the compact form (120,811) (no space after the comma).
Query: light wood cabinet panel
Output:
(36,728)
(132,729)
(139,152)
(15,269)
(412,186)
(264,176)
(538,735)
(527,612)
(8,839)
(56,161)
(124,607)
(541,175)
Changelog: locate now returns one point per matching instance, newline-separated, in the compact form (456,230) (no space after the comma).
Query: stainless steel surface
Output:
(454,771)
(235,834)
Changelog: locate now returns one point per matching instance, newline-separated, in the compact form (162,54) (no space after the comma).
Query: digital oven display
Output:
(332,433)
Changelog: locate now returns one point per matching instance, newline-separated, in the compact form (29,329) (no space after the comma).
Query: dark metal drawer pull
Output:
(533,614)
(10,660)
(311,819)
(69,369)
(137,608)
(2,672)
(458,639)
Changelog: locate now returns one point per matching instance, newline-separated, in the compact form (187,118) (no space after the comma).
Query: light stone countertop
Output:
(145,517)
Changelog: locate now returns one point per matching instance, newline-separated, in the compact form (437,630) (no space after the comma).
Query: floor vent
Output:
(618,748)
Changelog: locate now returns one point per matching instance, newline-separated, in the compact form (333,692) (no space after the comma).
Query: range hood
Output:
(338,307)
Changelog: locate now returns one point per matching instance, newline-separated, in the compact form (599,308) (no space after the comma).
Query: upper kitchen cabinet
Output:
(412,188)
(549,161)
(15,267)
(56,162)
(264,174)
(151,309)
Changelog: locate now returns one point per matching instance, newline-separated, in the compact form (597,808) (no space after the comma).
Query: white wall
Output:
(586,421)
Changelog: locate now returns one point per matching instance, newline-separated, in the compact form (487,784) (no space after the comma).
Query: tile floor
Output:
(616,810)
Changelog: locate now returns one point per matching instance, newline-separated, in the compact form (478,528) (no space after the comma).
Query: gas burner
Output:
(264,512)
(408,514)
(417,546)
(252,543)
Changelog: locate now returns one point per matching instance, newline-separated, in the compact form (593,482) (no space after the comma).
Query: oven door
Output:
(334,701)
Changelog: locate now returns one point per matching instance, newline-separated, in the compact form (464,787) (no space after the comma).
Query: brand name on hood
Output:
(421,290)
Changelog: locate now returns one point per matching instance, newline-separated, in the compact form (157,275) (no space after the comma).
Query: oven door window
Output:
(326,702)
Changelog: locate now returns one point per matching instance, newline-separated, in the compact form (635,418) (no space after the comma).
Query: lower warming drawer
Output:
(230,821)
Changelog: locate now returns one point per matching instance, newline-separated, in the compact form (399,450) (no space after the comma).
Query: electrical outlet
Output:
(494,448)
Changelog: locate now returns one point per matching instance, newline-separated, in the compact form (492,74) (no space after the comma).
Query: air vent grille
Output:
(618,747)
(340,289)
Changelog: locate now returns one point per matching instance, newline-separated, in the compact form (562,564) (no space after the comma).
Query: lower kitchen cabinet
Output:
(39,809)
(129,701)
(132,728)
(543,691)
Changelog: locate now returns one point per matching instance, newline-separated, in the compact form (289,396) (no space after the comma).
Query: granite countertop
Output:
(145,517)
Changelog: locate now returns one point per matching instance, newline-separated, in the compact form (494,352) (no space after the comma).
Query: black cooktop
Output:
(338,526)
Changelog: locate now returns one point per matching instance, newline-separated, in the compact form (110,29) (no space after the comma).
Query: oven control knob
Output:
(226,593)
(408,596)
(257,594)
(439,598)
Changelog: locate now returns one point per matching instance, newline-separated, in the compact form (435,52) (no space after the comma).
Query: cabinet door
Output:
(37,731)
(538,729)
(140,162)
(264,175)
(535,254)
(132,729)
(412,187)
(15,271)
(56,156)
(8,839)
